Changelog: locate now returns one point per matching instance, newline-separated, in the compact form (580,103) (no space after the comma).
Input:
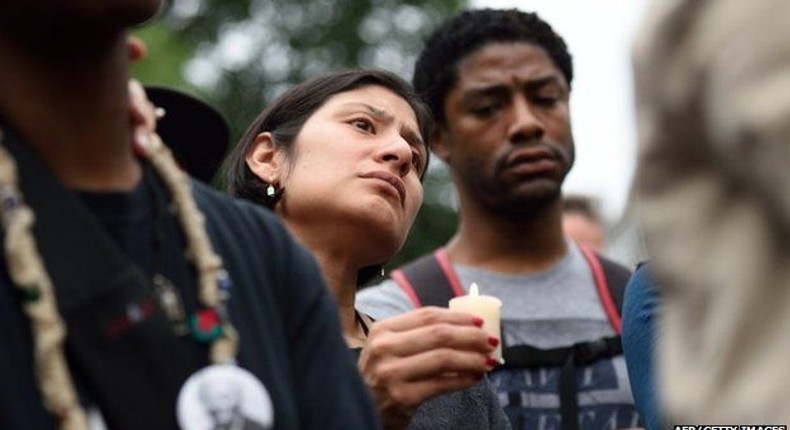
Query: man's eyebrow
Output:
(542,82)
(471,95)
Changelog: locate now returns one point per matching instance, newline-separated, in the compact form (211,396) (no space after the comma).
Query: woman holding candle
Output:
(340,158)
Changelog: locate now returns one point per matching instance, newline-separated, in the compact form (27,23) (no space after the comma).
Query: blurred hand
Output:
(137,48)
(416,356)
(142,112)
(142,115)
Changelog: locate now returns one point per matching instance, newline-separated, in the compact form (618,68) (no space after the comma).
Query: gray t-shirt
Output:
(475,408)
(554,308)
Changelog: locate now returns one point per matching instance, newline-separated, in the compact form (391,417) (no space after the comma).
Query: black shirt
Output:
(287,322)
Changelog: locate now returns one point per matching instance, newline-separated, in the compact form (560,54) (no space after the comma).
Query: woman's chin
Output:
(379,246)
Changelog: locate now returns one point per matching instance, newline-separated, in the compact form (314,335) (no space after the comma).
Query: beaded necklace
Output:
(29,275)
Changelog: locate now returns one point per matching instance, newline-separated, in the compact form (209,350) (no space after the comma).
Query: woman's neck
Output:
(341,277)
(340,270)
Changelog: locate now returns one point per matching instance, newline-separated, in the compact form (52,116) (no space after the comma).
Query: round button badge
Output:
(224,397)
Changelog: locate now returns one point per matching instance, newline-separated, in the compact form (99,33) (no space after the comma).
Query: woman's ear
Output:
(265,159)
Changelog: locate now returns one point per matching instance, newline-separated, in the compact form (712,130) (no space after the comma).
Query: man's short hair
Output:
(437,67)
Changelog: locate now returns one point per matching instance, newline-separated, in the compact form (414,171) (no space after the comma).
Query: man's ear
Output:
(265,159)
(440,143)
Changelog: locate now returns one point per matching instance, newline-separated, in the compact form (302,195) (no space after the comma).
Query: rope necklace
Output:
(29,275)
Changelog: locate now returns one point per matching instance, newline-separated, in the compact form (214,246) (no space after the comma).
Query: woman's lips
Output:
(393,181)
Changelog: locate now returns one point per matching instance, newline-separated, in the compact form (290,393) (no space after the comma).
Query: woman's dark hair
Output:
(286,115)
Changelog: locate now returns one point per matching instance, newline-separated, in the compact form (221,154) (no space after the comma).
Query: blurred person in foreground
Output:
(713,195)
(124,282)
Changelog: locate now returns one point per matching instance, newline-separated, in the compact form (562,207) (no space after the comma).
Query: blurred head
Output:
(348,150)
(76,15)
(498,82)
(581,223)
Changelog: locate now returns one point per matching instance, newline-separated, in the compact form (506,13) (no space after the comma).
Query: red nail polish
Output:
(491,362)
(477,321)
(493,341)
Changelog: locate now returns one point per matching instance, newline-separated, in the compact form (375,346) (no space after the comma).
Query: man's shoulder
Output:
(246,235)
(214,202)
(388,298)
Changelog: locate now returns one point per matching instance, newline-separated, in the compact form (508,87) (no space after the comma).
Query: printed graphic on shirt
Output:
(531,398)
(224,397)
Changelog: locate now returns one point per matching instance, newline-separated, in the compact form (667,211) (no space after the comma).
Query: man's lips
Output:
(531,160)
(391,180)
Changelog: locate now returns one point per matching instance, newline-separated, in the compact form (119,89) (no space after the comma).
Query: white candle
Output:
(485,307)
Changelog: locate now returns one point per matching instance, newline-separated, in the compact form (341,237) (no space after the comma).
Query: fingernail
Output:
(493,341)
(477,321)
(491,362)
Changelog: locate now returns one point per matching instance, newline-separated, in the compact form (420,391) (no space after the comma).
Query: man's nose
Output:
(525,125)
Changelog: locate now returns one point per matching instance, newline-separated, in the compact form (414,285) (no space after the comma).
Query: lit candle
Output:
(485,307)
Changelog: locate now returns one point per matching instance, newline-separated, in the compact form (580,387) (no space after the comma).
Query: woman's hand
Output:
(413,357)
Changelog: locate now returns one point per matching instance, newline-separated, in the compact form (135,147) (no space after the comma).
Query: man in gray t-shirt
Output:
(498,83)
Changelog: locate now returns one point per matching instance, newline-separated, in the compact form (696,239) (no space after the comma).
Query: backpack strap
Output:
(610,280)
(429,281)
(617,278)
(567,358)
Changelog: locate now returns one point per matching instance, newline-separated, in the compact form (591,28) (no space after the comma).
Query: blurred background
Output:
(239,54)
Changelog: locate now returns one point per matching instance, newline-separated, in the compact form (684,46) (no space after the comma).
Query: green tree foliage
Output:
(239,54)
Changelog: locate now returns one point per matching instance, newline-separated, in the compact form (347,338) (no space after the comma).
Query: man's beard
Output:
(513,204)
(508,198)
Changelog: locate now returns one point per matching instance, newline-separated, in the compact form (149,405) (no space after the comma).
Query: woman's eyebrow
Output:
(410,135)
(378,113)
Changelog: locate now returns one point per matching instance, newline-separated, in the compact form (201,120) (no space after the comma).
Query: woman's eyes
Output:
(416,160)
(367,126)
(363,124)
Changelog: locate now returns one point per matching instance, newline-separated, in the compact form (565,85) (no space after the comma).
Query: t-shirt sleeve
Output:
(384,300)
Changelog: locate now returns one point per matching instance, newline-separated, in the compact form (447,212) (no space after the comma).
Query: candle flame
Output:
(473,291)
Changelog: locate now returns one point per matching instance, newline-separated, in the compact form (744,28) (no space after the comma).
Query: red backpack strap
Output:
(602,286)
(400,278)
(429,281)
